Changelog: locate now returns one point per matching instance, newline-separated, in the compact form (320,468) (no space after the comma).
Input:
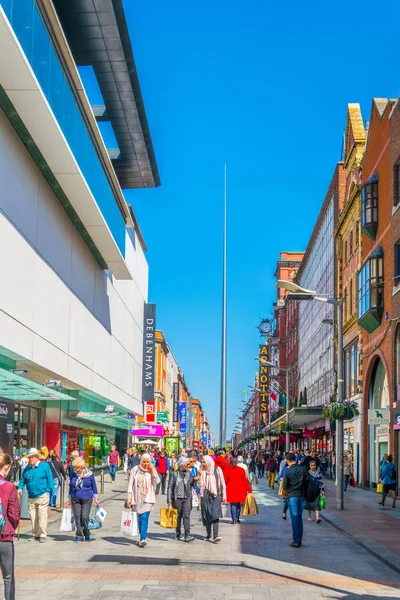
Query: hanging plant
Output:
(340,410)
(282,426)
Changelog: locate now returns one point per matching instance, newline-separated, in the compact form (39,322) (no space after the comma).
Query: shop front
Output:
(378,435)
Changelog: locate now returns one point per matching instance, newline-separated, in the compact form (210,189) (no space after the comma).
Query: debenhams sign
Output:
(149,352)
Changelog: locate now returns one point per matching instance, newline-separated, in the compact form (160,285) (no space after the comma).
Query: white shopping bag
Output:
(226,510)
(101,514)
(67,520)
(195,499)
(129,526)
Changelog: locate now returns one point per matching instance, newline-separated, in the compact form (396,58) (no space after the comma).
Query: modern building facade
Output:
(71,312)
(349,253)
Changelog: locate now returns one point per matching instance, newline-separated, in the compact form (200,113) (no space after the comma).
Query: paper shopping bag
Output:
(168,518)
(129,527)
(67,520)
(246,507)
(101,514)
(253,508)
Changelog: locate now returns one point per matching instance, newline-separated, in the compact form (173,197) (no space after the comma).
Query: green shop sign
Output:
(162,417)
(171,444)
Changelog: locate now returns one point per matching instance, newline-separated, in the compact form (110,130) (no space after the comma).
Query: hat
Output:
(182,461)
(33,452)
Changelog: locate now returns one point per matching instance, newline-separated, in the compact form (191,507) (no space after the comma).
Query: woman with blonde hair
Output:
(141,494)
(212,494)
(82,495)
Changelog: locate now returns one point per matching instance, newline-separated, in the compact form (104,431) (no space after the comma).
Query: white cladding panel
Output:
(57,307)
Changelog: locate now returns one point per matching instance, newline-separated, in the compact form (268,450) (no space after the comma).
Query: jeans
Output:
(296,514)
(324,467)
(251,477)
(235,511)
(112,469)
(81,510)
(346,481)
(143,524)
(54,493)
(162,484)
(271,478)
(7,569)
(215,528)
(184,507)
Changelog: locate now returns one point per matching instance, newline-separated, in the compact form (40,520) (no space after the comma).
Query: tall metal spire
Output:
(222,429)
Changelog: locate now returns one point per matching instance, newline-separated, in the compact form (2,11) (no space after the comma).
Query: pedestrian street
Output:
(253,560)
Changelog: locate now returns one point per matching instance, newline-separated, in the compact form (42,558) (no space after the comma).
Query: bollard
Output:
(102,482)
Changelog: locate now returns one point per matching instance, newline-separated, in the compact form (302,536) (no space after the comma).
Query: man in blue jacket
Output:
(39,483)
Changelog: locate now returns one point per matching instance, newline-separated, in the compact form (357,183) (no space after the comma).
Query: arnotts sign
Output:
(263,377)
(149,352)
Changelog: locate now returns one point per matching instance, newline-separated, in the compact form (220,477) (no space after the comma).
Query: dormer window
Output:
(370,207)
(370,292)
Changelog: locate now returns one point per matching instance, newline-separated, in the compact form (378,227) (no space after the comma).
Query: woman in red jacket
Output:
(237,488)
(9,517)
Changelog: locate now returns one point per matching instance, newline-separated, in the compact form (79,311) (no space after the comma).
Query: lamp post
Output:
(298,293)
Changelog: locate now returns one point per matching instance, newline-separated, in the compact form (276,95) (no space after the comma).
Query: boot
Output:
(178,535)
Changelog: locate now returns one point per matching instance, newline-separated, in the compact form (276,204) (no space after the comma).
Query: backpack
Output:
(313,489)
(393,476)
(272,466)
(2,514)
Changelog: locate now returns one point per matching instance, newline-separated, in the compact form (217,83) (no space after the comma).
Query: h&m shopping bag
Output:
(67,520)
(379,488)
(168,518)
(101,514)
(129,527)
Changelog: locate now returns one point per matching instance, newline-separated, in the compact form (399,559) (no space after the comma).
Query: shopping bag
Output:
(246,507)
(255,480)
(352,481)
(226,510)
(253,508)
(195,499)
(379,488)
(101,514)
(322,502)
(67,520)
(168,518)
(129,526)
(280,491)
(94,523)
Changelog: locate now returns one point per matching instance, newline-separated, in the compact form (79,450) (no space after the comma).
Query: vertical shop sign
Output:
(6,426)
(175,393)
(263,377)
(182,417)
(205,438)
(149,352)
(151,412)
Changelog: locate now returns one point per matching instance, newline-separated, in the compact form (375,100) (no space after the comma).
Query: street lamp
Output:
(298,293)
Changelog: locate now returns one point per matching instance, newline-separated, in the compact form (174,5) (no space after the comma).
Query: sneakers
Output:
(142,543)
(33,539)
(177,536)
(88,538)
(42,540)
(216,540)
(78,540)
(294,545)
(208,538)
(188,538)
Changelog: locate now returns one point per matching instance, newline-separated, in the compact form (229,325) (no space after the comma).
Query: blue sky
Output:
(262,87)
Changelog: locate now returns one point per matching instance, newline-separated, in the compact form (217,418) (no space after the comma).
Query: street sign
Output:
(378,416)
(171,444)
(162,417)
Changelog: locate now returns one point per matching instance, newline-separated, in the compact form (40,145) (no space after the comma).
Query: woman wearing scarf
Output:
(142,485)
(180,487)
(82,494)
(212,494)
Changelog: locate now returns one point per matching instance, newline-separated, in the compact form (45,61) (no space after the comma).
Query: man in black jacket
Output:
(179,496)
(294,482)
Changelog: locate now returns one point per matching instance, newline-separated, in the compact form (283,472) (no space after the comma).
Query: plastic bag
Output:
(168,518)
(322,502)
(379,488)
(195,499)
(67,520)
(94,523)
(101,514)
(129,526)
(226,510)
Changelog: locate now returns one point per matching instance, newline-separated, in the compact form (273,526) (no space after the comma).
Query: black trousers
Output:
(7,569)
(215,528)
(162,484)
(81,511)
(184,507)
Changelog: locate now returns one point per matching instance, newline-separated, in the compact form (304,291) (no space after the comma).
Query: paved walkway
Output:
(252,562)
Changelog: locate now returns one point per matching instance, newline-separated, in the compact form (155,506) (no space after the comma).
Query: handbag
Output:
(67,520)
(168,518)
(322,502)
(379,488)
(129,526)
(352,481)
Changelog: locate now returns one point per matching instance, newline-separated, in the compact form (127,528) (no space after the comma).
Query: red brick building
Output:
(375,289)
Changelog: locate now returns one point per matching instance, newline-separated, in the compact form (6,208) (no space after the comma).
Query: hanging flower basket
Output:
(340,410)
(283,427)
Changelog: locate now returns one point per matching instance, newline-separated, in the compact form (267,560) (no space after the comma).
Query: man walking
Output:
(293,483)
(39,483)
(112,461)
(272,468)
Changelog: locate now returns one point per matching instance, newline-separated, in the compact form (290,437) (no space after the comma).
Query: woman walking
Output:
(180,486)
(251,466)
(260,462)
(237,488)
(142,485)
(388,478)
(347,470)
(314,487)
(59,474)
(82,495)
(8,523)
(212,494)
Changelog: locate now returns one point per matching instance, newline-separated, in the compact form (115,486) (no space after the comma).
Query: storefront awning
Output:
(104,419)
(301,416)
(19,389)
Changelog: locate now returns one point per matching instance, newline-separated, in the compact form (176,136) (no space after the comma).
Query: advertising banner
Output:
(150,412)
(263,378)
(172,445)
(149,352)
(205,438)
(162,417)
(175,392)
(6,426)
(150,431)
(182,417)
